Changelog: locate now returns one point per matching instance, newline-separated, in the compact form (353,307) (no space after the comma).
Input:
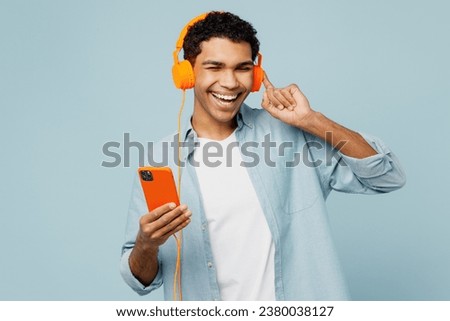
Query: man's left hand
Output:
(287,104)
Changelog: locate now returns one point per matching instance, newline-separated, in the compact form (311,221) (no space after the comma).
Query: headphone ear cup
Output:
(183,75)
(258,77)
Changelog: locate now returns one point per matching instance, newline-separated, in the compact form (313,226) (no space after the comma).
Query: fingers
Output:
(267,105)
(266,82)
(281,98)
(176,229)
(157,225)
(157,212)
(173,218)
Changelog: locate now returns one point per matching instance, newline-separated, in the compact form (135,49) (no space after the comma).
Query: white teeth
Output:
(225,97)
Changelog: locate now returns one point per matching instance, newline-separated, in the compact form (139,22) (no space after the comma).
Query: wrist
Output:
(143,246)
(310,121)
(143,266)
(140,254)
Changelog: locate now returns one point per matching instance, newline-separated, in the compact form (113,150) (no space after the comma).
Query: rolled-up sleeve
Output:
(380,173)
(134,283)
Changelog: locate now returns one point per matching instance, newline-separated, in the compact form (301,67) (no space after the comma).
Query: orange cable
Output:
(177,273)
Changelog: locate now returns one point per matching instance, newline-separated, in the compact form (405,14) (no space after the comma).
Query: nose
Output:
(228,79)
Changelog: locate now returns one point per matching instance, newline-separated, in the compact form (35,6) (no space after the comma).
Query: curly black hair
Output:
(221,25)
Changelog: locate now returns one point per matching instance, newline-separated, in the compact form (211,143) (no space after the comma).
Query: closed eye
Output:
(244,68)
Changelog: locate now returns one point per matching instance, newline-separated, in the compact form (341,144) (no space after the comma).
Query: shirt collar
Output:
(244,118)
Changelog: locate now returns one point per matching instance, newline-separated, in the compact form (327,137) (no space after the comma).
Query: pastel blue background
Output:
(77,74)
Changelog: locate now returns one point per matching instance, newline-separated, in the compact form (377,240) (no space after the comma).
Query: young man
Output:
(254,219)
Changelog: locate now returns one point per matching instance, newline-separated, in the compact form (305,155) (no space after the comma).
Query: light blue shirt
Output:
(292,177)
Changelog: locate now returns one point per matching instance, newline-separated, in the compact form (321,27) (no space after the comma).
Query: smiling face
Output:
(223,79)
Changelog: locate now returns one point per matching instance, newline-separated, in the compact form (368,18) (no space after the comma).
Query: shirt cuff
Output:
(134,283)
(372,166)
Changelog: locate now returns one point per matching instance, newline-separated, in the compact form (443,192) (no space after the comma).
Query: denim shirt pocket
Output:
(297,187)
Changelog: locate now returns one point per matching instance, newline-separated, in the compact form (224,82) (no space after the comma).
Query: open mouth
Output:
(225,100)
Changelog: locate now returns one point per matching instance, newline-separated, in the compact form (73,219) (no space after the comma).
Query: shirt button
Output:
(204,227)
(210,265)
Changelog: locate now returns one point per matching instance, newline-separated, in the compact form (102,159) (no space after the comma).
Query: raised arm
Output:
(292,107)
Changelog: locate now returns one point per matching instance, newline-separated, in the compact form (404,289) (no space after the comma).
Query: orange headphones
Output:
(183,73)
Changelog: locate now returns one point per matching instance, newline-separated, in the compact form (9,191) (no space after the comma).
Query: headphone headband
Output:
(180,41)
(183,32)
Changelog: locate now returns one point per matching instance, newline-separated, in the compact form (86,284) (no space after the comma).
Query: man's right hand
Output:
(158,225)
(155,228)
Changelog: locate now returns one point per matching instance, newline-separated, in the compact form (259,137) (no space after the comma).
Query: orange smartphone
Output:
(158,186)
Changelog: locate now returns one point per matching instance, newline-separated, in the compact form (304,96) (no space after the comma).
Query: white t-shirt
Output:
(240,238)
